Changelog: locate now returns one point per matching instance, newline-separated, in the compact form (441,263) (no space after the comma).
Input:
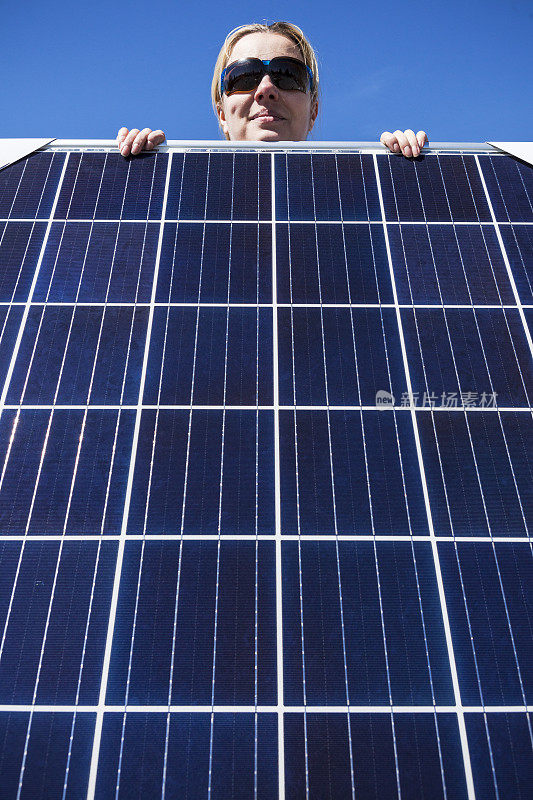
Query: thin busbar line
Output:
(241,537)
(266,407)
(297,481)
(120,555)
(277,496)
(442,597)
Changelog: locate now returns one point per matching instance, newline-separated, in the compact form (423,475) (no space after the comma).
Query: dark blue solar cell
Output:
(326,187)
(52,483)
(389,633)
(433,188)
(132,756)
(528,314)
(55,629)
(489,598)
(20,246)
(80,355)
(108,186)
(490,493)
(501,754)
(28,187)
(359,359)
(10,318)
(387,500)
(195,339)
(461,357)
(449,264)
(510,187)
(57,759)
(247,498)
(197,262)
(238,186)
(351,265)
(421,753)
(98,263)
(166,624)
(518,242)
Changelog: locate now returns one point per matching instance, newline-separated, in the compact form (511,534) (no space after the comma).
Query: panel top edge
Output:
(177,145)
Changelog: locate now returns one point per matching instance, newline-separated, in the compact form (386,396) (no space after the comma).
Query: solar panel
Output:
(265,484)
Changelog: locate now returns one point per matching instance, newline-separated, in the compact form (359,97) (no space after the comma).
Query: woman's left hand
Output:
(405,141)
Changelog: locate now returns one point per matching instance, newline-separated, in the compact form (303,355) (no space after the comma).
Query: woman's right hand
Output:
(135,140)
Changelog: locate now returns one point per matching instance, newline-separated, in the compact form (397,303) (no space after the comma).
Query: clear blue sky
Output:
(460,70)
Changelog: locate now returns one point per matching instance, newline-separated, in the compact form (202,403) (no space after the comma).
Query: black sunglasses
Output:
(246,74)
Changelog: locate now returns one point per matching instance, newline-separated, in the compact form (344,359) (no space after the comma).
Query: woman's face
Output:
(267,114)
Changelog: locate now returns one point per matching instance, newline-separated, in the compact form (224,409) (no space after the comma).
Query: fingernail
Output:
(135,148)
(415,151)
(149,146)
(396,147)
(124,150)
(407,151)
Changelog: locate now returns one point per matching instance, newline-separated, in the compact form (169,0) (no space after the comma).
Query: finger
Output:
(121,135)
(125,149)
(413,143)
(422,138)
(154,138)
(389,140)
(403,143)
(140,140)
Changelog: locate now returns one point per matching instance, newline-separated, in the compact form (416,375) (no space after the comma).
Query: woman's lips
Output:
(268,118)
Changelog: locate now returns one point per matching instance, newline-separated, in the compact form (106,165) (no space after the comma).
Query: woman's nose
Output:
(266,89)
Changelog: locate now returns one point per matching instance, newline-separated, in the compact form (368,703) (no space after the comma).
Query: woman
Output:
(257,100)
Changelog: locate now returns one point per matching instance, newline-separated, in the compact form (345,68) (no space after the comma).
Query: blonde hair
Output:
(287,29)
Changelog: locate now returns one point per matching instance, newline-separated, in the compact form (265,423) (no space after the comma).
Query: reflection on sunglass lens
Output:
(244,77)
(287,78)
(286,73)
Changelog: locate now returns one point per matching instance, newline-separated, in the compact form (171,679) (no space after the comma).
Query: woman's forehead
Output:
(264,45)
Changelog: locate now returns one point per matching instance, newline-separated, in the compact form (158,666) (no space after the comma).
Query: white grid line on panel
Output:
(265,709)
(286,537)
(266,407)
(442,597)
(120,555)
(277,496)
(297,478)
(68,304)
(256,509)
